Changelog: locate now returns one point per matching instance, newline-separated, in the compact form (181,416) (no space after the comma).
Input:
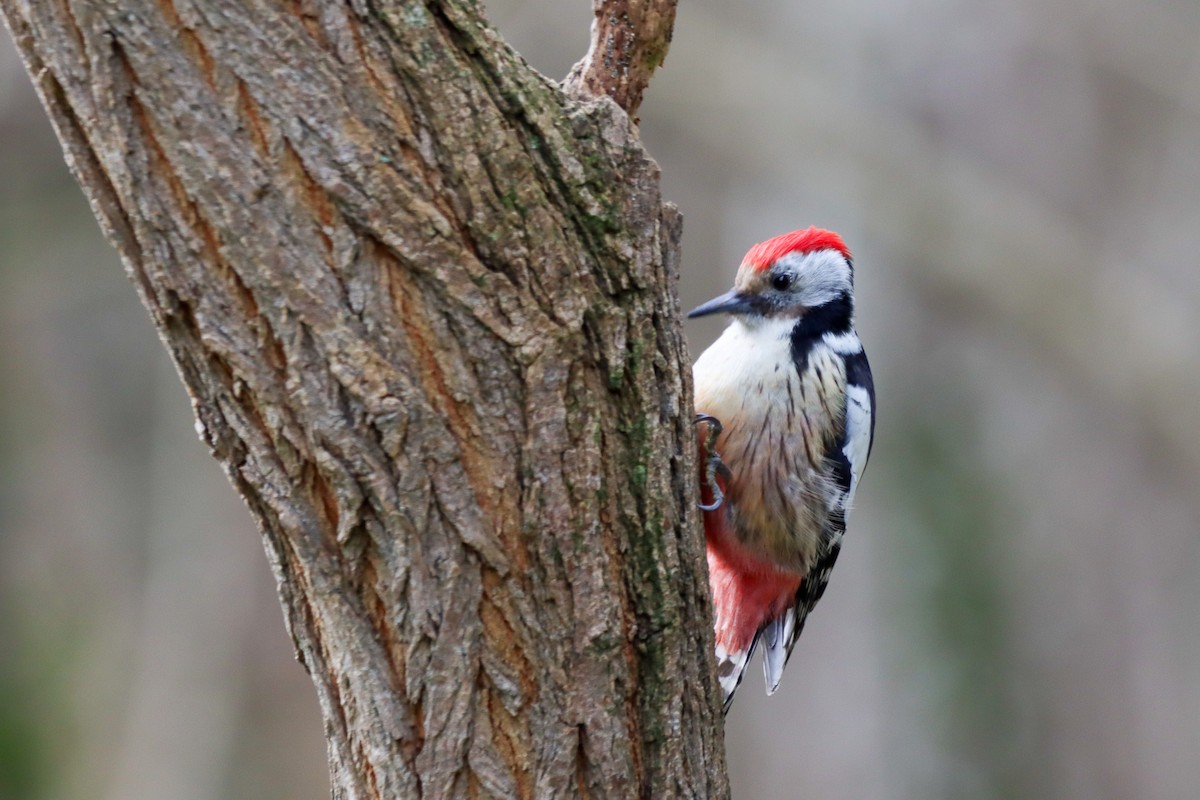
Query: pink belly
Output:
(748,591)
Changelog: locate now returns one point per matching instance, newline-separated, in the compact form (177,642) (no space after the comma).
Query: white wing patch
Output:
(858,435)
(844,344)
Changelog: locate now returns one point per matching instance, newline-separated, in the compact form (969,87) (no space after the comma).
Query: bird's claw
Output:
(713,465)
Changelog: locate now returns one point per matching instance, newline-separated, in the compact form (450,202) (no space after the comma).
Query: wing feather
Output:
(848,457)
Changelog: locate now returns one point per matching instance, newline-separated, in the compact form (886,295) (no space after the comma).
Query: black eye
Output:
(782,282)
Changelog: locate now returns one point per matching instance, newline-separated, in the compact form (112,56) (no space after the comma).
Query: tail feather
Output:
(731,668)
(778,635)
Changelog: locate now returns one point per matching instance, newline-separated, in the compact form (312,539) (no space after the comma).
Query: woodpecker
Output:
(786,410)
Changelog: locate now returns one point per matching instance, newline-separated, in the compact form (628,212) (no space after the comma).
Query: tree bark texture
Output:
(425,306)
(629,41)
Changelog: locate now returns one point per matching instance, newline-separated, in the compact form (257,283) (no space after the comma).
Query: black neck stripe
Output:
(832,317)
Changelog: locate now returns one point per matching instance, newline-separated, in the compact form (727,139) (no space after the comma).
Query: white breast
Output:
(776,425)
(728,374)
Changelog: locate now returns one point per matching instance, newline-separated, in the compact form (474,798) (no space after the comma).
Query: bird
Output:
(785,411)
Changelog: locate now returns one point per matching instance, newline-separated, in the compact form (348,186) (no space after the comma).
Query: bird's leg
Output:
(713,465)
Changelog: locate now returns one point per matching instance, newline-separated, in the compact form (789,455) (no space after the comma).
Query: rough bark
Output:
(629,41)
(425,306)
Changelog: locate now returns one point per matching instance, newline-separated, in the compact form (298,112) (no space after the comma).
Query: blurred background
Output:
(1016,611)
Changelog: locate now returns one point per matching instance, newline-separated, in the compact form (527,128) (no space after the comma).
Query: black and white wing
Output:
(849,457)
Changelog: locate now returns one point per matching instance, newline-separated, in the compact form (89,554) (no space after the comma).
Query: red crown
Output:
(764,254)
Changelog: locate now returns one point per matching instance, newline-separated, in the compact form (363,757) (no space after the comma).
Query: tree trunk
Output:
(424,303)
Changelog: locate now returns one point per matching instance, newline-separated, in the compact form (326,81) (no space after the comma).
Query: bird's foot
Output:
(713,465)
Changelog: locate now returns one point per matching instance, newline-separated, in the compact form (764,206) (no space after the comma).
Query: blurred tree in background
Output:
(1015,612)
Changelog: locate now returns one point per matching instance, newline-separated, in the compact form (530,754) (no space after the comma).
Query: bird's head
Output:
(786,277)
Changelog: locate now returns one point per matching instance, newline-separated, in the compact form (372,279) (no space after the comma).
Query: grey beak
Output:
(729,303)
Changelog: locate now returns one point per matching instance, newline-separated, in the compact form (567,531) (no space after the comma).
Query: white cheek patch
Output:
(821,276)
